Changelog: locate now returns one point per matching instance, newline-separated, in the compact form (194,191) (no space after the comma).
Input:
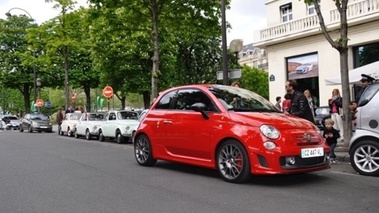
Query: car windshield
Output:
(11,117)
(241,100)
(95,117)
(127,115)
(368,94)
(37,117)
(74,116)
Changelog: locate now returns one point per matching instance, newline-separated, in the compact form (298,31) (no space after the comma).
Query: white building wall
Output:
(328,57)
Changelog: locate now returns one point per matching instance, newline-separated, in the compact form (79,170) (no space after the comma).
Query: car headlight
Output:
(35,124)
(127,128)
(93,127)
(269,131)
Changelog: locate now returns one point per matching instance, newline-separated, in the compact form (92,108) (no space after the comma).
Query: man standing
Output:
(59,119)
(365,81)
(299,103)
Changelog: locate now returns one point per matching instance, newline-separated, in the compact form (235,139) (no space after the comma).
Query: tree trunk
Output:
(66,79)
(155,71)
(87,91)
(26,94)
(347,124)
(146,99)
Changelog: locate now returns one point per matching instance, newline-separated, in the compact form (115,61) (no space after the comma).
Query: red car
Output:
(230,129)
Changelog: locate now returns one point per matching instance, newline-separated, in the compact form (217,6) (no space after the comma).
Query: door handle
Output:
(167,122)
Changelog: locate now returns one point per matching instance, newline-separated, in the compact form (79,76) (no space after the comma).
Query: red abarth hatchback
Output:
(230,129)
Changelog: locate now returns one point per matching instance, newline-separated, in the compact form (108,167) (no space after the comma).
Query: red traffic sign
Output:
(108,92)
(39,102)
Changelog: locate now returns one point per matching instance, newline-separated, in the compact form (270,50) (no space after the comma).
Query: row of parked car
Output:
(120,125)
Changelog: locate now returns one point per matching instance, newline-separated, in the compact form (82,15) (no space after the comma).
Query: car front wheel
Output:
(232,162)
(88,135)
(143,151)
(101,136)
(119,137)
(364,158)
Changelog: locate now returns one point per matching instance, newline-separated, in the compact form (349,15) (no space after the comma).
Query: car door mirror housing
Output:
(200,107)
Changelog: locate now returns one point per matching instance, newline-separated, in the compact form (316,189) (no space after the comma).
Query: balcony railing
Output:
(355,10)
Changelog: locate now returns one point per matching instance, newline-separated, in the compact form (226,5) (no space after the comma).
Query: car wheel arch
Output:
(362,139)
(214,154)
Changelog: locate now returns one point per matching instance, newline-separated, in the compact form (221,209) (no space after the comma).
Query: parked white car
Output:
(69,123)
(119,124)
(89,124)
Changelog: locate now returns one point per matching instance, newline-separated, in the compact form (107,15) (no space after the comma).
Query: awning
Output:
(355,74)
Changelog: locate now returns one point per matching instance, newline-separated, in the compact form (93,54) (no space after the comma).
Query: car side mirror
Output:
(200,107)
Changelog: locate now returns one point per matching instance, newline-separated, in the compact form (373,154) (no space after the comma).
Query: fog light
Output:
(290,160)
(269,145)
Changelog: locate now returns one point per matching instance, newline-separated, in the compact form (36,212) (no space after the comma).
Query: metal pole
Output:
(224,46)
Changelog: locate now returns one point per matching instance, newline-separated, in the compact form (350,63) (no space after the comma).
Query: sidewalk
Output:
(342,153)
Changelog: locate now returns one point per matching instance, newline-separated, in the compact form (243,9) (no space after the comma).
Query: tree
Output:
(175,13)
(340,44)
(16,58)
(255,80)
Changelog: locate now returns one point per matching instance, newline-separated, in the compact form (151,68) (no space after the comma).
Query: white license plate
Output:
(312,152)
(43,126)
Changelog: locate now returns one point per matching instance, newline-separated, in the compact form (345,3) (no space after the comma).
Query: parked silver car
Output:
(364,145)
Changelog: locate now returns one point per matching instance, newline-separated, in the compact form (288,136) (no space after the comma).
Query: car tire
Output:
(364,157)
(143,151)
(30,129)
(76,134)
(21,129)
(101,136)
(88,135)
(69,133)
(119,137)
(39,131)
(233,162)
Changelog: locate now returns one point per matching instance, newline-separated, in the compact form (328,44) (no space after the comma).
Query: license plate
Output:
(312,152)
(43,126)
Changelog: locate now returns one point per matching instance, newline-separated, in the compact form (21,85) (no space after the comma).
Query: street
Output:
(45,172)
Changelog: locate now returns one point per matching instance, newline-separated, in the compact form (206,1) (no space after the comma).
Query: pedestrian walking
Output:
(299,103)
(59,119)
(331,135)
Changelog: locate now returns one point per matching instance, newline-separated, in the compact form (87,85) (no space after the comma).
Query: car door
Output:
(108,127)
(188,133)
(82,124)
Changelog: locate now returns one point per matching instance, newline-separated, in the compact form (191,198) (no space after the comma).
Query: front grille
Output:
(307,143)
(303,162)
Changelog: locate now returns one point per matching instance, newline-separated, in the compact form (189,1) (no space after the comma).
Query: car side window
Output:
(112,116)
(165,101)
(187,97)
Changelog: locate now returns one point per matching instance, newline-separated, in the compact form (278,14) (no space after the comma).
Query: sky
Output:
(245,16)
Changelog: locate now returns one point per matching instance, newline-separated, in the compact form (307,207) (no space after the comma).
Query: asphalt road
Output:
(50,173)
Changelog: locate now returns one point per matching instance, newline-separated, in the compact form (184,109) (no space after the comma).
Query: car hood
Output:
(278,120)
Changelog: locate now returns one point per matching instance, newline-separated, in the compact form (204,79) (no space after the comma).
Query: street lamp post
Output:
(8,14)
(39,84)
(224,46)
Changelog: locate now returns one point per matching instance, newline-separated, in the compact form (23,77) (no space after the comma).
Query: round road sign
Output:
(39,102)
(108,92)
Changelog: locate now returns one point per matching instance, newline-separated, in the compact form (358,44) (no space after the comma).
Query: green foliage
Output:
(255,80)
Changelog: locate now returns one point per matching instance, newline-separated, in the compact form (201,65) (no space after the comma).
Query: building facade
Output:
(297,49)
(253,57)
